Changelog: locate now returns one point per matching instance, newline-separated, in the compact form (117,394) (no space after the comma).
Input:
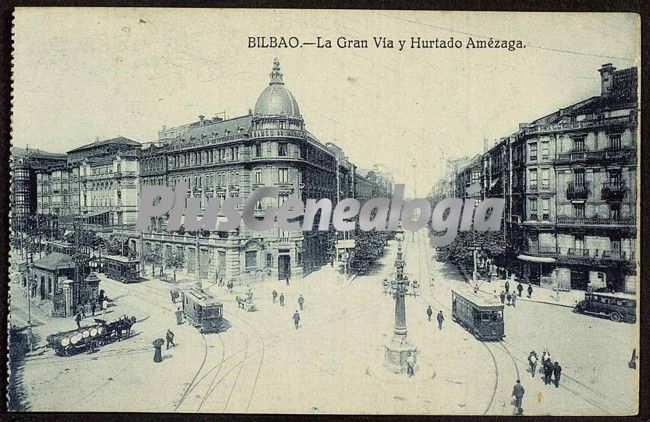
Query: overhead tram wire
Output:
(557,50)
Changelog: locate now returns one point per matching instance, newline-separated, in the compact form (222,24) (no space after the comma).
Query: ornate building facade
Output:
(225,158)
(569,181)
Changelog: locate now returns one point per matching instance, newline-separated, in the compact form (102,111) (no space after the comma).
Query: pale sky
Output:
(86,73)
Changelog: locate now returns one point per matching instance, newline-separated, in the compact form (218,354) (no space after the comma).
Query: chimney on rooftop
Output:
(201,119)
(606,79)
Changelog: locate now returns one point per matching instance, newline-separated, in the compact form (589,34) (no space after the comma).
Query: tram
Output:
(122,269)
(479,313)
(202,310)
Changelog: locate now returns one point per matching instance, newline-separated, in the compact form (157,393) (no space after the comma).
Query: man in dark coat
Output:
(502,295)
(557,372)
(520,289)
(429,312)
(281,299)
(518,393)
(548,371)
(296,319)
(530,290)
(507,287)
(440,318)
(93,307)
(170,339)
(275,295)
(287,278)
(78,319)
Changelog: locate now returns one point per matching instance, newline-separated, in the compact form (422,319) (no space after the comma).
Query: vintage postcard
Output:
(324,212)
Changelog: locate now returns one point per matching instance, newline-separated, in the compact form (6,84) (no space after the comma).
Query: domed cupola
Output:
(276,99)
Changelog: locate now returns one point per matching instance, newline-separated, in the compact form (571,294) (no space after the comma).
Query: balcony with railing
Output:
(577,190)
(601,155)
(629,221)
(613,191)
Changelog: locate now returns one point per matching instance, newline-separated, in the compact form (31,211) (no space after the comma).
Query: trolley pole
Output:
(198,263)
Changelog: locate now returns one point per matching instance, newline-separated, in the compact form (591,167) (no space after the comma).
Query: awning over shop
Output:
(95,214)
(538,259)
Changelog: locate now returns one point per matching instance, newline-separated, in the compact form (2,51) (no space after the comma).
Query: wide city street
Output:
(333,363)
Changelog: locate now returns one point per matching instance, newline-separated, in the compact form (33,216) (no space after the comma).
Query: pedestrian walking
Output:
(548,371)
(532,361)
(440,318)
(429,312)
(509,297)
(170,338)
(179,316)
(410,365)
(557,372)
(514,300)
(518,392)
(296,319)
(287,278)
(530,290)
(93,307)
(301,302)
(281,299)
(507,287)
(82,307)
(520,288)
(171,293)
(78,319)
(157,345)
(502,295)
(275,295)
(104,306)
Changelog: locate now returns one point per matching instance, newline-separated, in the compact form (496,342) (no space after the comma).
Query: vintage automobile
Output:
(202,310)
(616,306)
(68,343)
(479,313)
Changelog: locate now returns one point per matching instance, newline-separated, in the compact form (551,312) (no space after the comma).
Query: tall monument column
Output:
(400,352)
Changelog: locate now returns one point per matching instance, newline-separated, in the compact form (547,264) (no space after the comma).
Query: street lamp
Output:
(400,349)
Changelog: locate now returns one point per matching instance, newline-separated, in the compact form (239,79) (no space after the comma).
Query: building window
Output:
(532,202)
(579,177)
(545,178)
(282,149)
(615,141)
(258,176)
(533,151)
(269,260)
(282,198)
(579,210)
(579,144)
(545,150)
(546,212)
(283,175)
(532,179)
(251,259)
(258,150)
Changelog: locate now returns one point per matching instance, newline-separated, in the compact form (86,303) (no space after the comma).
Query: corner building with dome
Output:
(223,158)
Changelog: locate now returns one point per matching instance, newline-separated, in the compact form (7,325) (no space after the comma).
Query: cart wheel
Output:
(631,319)
(615,316)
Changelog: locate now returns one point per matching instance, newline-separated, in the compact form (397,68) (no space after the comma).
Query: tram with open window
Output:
(479,313)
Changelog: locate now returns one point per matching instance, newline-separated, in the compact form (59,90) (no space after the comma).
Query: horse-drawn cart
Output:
(87,338)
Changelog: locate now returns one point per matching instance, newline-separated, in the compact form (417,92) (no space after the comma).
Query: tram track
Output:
(498,368)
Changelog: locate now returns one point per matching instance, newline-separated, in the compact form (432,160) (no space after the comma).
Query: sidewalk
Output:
(568,299)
